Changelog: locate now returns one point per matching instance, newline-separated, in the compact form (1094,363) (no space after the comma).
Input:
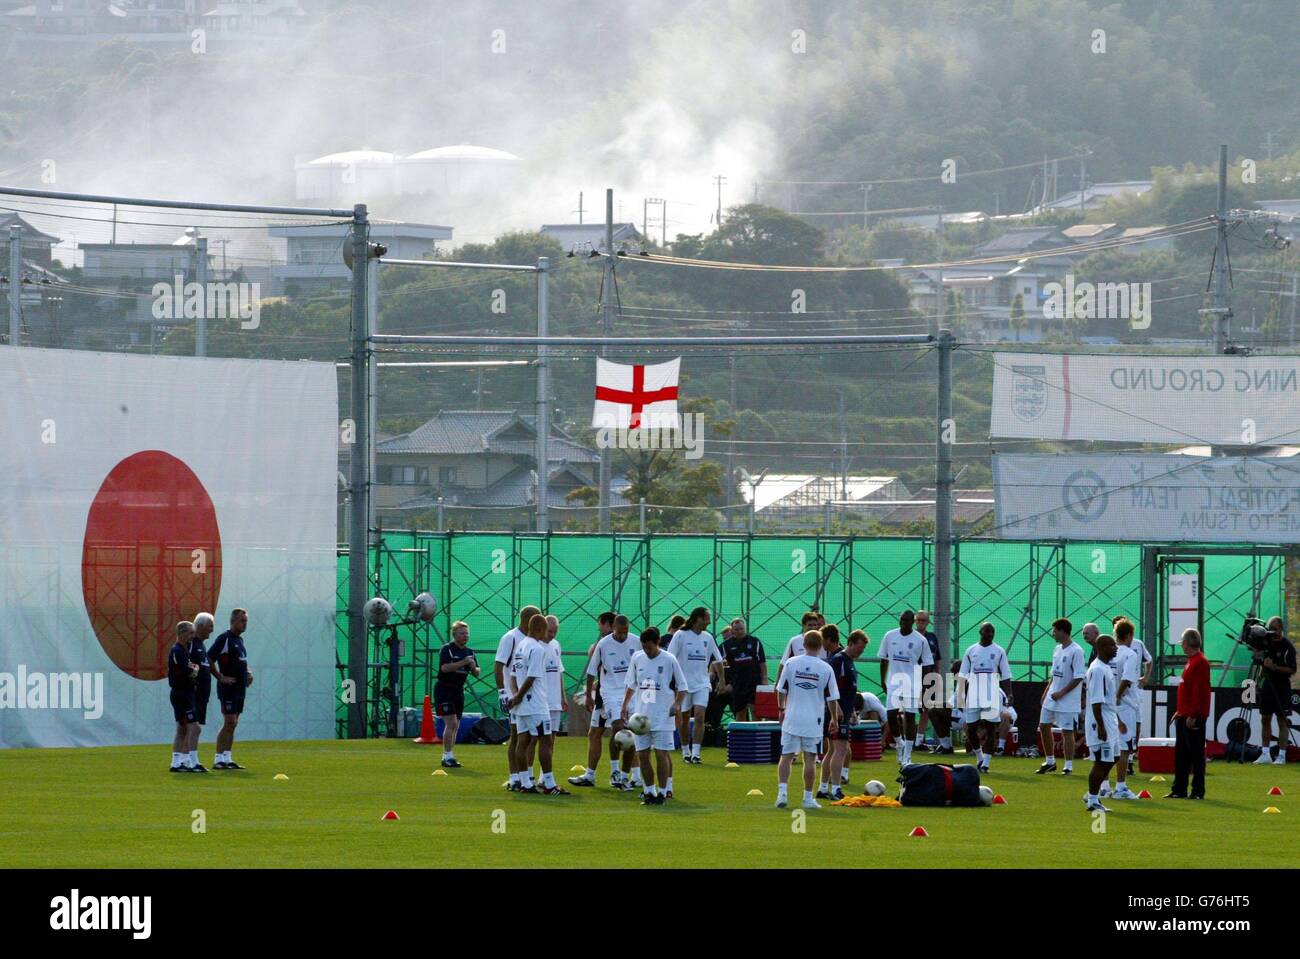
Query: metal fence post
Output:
(641,510)
(359,533)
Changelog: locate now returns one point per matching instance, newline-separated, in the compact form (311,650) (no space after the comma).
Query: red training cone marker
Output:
(918,833)
(428,731)
(999,800)
(1144,795)
(390,815)
(1275,791)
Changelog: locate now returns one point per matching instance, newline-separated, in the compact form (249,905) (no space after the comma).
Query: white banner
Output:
(138,491)
(1148,498)
(1218,400)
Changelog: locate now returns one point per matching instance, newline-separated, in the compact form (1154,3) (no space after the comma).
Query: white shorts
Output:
(661,739)
(1106,752)
(1009,714)
(1067,719)
(696,699)
(974,714)
(606,716)
(535,725)
(799,744)
(1129,717)
(555,719)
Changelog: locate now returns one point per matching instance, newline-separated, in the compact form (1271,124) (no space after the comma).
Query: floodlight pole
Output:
(943,503)
(1222,311)
(607,328)
(543,400)
(359,514)
(15,285)
(201,278)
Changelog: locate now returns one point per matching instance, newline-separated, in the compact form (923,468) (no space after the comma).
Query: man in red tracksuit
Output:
(1189,721)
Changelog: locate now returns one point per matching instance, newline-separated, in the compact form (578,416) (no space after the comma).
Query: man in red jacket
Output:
(1189,720)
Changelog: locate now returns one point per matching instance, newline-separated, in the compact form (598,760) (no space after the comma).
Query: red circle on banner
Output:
(151,558)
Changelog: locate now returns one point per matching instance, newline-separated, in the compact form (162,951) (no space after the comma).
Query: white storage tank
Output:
(352,176)
(457,171)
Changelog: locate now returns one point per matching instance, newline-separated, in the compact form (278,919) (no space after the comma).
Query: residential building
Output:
(588,237)
(314,252)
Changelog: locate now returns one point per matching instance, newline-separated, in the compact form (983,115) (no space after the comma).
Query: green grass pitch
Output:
(119,807)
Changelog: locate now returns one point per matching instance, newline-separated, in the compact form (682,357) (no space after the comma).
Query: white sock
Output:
(446,754)
(636,777)
(781,789)
(176,759)
(979,755)
(1091,797)
(514,777)
(526,779)
(1069,764)
(1002,745)
(548,780)
(194,757)
(907,753)
(654,791)
(807,795)
(1050,760)
(590,775)
(668,786)
(919,741)
(697,748)
(946,742)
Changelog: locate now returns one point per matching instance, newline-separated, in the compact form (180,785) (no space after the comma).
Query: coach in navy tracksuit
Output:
(229,661)
(181,674)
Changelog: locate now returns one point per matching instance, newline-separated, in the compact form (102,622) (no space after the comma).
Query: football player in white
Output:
(1061,697)
(652,675)
(609,662)
(904,654)
(1104,728)
(694,649)
(805,692)
(505,656)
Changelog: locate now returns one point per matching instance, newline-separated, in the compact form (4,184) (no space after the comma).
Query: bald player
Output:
(505,655)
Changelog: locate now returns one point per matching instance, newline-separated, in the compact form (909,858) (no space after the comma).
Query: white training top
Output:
(650,678)
(1127,664)
(1144,657)
(983,668)
(530,660)
(554,660)
(905,653)
(1067,666)
(695,652)
(609,662)
(1101,689)
(795,648)
(506,648)
(809,687)
(871,705)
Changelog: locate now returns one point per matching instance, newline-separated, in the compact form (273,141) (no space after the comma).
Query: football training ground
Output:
(119,807)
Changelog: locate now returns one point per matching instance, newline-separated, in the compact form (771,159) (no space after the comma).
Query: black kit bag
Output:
(938,784)
(489,731)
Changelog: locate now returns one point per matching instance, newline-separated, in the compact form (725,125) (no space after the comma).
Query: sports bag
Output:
(938,784)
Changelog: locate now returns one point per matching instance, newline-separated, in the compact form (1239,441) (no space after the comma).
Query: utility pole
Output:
(543,399)
(201,278)
(844,453)
(645,216)
(731,442)
(938,313)
(1221,310)
(15,284)
(1083,181)
(943,501)
(579,210)
(719,180)
(866,203)
(359,514)
(607,328)
(664,236)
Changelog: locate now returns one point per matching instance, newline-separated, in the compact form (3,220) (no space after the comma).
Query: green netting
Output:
(859,583)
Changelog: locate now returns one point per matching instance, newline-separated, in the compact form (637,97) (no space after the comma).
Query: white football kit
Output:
(1127,665)
(795,648)
(533,714)
(695,652)
(984,668)
(554,658)
(506,655)
(652,680)
(809,687)
(906,654)
(1067,666)
(1101,690)
(609,662)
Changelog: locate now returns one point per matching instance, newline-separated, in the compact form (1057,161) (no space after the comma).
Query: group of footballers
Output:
(669,677)
(191,669)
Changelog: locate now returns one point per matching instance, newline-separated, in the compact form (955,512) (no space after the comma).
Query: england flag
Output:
(636,397)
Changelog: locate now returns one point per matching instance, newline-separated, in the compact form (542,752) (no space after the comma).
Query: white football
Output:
(623,739)
(986,795)
(639,723)
(424,606)
(377,611)
(875,788)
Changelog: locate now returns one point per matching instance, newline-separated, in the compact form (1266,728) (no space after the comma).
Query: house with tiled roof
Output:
(476,458)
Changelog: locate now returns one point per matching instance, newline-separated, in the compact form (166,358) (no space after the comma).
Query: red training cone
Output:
(999,800)
(1144,795)
(428,731)
(919,833)
(390,815)
(1275,791)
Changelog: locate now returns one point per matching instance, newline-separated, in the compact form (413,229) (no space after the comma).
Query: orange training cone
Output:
(1275,791)
(999,800)
(1144,795)
(428,731)
(390,815)
(919,833)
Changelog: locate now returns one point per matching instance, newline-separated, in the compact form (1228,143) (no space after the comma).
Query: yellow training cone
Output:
(1157,779)
(732,766)
(754,792)
(440,772)
(580,770)
(1272,809)
(281,776)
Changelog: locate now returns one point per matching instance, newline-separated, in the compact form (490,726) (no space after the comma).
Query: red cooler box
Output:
(1156,755)
(765,704)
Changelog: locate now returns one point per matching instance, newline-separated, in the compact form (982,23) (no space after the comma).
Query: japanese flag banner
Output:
(636,397)
(138,491)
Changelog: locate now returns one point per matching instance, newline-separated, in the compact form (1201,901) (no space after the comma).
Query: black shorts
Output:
(183,705)
(232,704)
(1273,700)
(743,696)
(448,700)
(201,707)
(841,732)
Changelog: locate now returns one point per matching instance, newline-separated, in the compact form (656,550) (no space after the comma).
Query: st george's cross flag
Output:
(138,491)
(636,397)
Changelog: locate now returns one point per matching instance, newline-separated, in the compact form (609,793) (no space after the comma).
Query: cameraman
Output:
(1276,670)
